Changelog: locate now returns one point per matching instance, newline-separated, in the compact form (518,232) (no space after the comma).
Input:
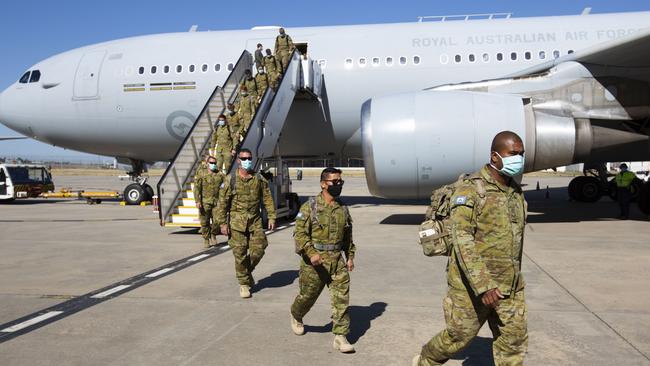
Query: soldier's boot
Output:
(297,326)
(416,361)
(214,241)
(244,291)
(341,343)
(206,243)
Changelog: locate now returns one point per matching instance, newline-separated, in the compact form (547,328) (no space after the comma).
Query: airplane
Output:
(419,101)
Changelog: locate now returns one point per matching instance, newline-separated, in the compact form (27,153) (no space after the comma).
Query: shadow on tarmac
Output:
(32,201)
(276,280)
(361,318)
(478,353)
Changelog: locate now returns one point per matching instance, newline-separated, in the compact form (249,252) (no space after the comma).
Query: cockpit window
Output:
(25,78)
(36,76)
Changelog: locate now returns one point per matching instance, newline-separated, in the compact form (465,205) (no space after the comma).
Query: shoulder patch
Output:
(460,200)
(299,216)
(222,185)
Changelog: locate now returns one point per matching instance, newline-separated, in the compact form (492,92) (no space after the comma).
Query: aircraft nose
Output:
(8,118)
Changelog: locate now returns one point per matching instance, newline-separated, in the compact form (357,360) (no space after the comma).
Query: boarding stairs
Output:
(302,79)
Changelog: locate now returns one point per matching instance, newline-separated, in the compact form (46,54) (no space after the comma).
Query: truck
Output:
(18,181)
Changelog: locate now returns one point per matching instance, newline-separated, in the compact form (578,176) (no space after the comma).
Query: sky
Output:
(34,30)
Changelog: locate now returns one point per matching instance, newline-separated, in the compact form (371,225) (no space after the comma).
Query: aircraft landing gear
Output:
(591,186)
(139,191)
(644,197)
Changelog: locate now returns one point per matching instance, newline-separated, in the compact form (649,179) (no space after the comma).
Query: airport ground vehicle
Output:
(24,181)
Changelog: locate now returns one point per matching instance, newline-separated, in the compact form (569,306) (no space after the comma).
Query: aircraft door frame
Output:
(86,80)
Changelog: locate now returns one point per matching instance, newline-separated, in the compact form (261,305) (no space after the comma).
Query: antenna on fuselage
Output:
(193,28)
(586,11)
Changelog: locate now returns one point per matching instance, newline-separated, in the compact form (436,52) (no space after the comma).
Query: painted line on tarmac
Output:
(31,322)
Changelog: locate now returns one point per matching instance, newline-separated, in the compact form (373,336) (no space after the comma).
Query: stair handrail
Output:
(165,212)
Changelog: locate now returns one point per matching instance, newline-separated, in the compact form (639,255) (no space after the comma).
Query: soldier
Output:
(240,200)
(224,144)
(247,108)
(484,277)
(249,83)
(624,181)
(323,235)
(262,81)
(206,195)
(283,48)
(273,69)
(259,56)
(234,122)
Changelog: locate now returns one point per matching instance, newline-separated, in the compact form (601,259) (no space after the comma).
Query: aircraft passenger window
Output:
(375,61)
(556,54)
(217,67)
(141,70)
(389,61)
(542,55)
(402,60)
(499,56)
(179,69)
(154,69)
(528,55)
(416,60)
(166,69)
(204,67)
(36,76)
(231,66)
(444,59)
(348,63)
(25,78)
(486,57)
(471,57)
(362,62)
(457,58)
(569,52)
(192,68)
(513,56)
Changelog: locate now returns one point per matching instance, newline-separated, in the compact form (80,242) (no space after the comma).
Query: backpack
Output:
(435,232)
(313,217)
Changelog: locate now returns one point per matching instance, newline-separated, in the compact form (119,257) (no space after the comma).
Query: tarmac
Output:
(586,273)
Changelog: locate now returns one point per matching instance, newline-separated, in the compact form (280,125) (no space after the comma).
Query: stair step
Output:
(189,194)
(171,224)
(185,219)
(189,202)
(188,210)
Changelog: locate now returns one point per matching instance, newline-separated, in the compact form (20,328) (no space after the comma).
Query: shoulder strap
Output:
(480,190)
(313,210)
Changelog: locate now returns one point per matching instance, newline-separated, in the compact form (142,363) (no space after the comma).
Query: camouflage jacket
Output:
(223,138)
(488,240)
(251,86)
(207,186)
(262,81)
(272,64)
(330,224)
(283,44)
(234,122)
(242,202)
(247,106)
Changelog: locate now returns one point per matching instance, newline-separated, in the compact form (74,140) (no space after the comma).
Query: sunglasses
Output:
(335,182)
(245,158)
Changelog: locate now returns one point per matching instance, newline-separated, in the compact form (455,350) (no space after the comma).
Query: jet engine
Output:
(414,142)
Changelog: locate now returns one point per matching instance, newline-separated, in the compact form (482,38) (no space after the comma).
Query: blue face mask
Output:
(512,165)
(222,122)
(213,167)
(247,164)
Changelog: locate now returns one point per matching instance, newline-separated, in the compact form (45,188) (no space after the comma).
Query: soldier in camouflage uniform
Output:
(273,69)
(323,235)
(484,269)
(207,184)
(234,122)
(246,111)
(240,202)
(224,144)
(262,81)
(250,84)
(283,48)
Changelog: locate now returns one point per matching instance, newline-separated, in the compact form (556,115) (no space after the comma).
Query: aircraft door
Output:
(3,182)
(86,81)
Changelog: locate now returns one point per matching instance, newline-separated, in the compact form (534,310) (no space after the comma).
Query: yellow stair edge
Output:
(184,215)
(171,224)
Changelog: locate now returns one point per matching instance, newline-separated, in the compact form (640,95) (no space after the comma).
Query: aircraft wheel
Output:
(585,189)
(294,205)
(149,191)
(644,198)
(635,188)
(134,194)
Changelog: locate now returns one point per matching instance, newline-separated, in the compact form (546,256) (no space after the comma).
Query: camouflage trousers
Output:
(284,57)
(465,314)
(224,159)
(274,80)
(248,249)
(208,220)
(312,280)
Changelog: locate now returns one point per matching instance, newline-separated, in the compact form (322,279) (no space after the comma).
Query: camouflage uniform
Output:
(283,48)
(246,112)
(224,143)
(234,121)
(251,86)
(206,192)
(488,246)
(262,81)
(247,237)
(273,69)
(328,225)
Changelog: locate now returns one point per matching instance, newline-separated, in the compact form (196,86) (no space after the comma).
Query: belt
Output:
(327,247)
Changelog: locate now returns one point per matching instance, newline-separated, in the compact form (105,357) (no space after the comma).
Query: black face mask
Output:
(335,190)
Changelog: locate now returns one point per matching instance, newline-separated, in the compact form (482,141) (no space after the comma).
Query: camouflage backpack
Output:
(435,232)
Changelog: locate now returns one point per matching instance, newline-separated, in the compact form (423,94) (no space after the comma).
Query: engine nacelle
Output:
(414,142)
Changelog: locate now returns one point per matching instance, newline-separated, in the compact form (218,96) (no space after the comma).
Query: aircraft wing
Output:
(2,138)
(632,51)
